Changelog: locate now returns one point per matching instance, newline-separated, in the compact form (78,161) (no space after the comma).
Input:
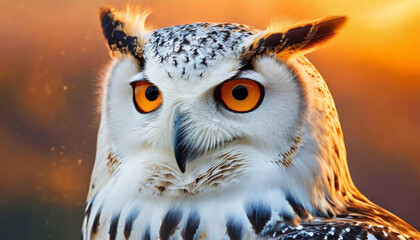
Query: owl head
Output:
(200,108)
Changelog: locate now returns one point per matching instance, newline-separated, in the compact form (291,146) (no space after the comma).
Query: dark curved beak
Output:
(183,149)
(186,147)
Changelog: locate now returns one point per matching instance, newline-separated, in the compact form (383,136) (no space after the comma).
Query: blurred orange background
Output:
(52,51)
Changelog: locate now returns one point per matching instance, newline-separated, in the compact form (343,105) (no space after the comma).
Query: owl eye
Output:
(240,95)
(146,96)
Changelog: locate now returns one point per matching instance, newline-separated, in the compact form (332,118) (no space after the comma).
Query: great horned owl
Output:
(223,131)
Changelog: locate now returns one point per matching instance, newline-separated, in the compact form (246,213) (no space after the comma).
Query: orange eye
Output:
(147,96)
(240,95)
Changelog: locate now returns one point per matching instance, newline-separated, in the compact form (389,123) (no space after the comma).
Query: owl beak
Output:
(184,151)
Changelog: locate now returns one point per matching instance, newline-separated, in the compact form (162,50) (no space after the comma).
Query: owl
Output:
(223,131)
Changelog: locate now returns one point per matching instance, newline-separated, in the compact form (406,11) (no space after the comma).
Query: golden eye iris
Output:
(240,95)
(147,96)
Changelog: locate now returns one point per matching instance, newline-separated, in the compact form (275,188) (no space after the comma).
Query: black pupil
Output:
(152,93)
(240,92)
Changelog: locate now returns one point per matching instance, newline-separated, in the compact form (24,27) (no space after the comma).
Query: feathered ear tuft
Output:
(134,19)
(122,33)
(301,38)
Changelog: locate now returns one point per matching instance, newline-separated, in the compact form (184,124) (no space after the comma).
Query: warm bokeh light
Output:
(53,51)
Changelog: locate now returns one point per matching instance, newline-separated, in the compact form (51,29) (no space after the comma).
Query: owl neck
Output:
(318,176)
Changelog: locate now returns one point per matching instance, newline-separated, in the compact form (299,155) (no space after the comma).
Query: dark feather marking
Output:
(234,229)
(336,150)
(317,237)
(318,213)
(392,235)
(297,35)
(247,64)
(258,215)
(326,30)
(96,220)
(273,40)
(336,184)
(322,230)
(383,233)
(297,207)
(333,229)
(170,223)
(113,227)
(301,37)
(289,219)
(116,38)
(191,226)
(146,235)
(379,236)
(87,213)
(89,209)
(362,235)
(128,226)
(351,232)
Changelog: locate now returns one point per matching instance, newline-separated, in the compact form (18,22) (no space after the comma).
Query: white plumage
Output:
(184,158)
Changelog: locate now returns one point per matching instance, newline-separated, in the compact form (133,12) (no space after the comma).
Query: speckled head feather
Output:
(222,131)
(194,48)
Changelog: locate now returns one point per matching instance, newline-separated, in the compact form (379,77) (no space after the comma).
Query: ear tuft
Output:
(106,12)
(109,25)
(134,18)
(118,38)
(302,38)
(326,29)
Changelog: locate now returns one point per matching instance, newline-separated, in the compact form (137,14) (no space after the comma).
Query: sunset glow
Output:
(53,52)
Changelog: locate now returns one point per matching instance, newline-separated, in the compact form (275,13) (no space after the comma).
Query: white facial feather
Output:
(281,164)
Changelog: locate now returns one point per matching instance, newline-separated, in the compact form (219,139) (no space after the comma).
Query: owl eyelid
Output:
(248,74)
(238,77)
(140,76)
(133,83)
